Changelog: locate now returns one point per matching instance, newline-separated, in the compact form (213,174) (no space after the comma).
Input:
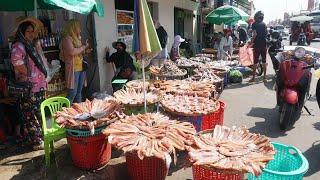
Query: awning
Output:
(79,6)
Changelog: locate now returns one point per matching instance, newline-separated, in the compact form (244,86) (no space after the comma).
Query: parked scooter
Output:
(275,45)
(293,84)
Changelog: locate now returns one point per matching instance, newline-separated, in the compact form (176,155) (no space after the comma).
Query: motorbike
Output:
(293,84)
(274,41)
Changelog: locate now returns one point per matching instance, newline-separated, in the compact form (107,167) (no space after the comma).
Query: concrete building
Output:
(176,16)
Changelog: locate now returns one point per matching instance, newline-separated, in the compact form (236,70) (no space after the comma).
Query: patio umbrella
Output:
(145,39)
(226,15)
(79,6)
(301,18)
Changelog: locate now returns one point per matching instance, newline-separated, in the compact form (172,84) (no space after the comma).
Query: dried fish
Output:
(229,149)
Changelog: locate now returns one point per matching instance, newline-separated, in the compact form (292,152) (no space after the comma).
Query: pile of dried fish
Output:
(188,105)
(184,62)
(179,87)
(130,96)
(89,114)
(168,68)
(202,59)
(205,75)
(232,149)
(221,64)
(149,135)
(137,84)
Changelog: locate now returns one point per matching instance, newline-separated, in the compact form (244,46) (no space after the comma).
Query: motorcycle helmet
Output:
(259,16)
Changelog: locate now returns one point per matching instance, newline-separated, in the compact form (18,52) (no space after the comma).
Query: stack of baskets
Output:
(88,151)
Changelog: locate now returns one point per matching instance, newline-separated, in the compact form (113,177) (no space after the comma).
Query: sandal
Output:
(38,147)
(252,80)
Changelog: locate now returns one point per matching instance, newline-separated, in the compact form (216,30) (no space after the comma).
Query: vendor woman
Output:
(29,68)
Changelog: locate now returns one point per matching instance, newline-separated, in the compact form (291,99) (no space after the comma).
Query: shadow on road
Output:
(313,156)
(270,126)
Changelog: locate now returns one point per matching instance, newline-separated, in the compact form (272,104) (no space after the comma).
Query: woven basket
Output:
(201,121)
(205,172)
(91,152)
(150,168)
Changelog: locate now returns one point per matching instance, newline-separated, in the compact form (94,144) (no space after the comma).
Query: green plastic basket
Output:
(288,164)
(84,133)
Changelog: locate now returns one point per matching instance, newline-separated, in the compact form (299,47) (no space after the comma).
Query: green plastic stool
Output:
(55,132)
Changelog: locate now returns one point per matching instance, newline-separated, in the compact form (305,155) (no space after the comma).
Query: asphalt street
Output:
(254,106)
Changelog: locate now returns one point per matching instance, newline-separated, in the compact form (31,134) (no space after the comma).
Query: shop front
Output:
(117,25)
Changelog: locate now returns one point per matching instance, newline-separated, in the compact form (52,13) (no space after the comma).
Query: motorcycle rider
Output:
(259,43)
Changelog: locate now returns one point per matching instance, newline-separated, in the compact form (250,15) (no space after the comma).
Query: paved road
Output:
(253,105)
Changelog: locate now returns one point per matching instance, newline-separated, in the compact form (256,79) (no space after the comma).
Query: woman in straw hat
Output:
(29,68)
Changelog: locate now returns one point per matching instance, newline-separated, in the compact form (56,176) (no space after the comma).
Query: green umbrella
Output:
(79,6)
(226,15)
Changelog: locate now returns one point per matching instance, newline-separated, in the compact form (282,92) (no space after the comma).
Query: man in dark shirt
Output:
(259,41)
(125,68)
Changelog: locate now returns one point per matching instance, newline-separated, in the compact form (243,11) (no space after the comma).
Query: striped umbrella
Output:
(145,39)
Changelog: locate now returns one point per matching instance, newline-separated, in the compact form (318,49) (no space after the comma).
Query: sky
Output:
(274,9)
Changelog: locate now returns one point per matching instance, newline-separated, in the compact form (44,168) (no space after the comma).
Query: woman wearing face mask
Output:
(29,68)
(226,46)
(175,51)
(71,52)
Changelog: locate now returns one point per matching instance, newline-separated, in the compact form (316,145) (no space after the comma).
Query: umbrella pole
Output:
(144,87)
(35,3)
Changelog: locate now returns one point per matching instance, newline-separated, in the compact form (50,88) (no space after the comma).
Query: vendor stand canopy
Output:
(145,39)
(226,15)
(79,6)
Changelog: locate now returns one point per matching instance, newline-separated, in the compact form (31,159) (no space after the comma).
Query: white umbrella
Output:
(301,18)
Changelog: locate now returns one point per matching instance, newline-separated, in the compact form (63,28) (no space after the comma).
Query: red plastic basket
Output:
(202,173)
(91,152)
(150,168)
(210,121)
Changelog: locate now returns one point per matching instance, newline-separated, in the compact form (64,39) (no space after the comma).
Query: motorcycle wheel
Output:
(259,70)
(287,116)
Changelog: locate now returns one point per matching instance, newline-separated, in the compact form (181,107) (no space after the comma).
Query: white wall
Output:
(166,15)
(106,33)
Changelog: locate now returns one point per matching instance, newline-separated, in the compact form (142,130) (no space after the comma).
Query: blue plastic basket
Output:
(288,164)
(84,133)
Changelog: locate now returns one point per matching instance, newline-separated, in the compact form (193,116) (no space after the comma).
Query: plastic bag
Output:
(246,55)
(53,69)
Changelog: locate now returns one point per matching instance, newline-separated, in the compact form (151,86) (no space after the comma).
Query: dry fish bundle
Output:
(89,114)
(149,135)
(203,89)
(188,105)
(206,75)
(137,84)
(232,149)
(130,96)
(221,64)
(168,68)
(184,62)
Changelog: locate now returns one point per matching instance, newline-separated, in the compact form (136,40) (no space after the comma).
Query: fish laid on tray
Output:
(233,149)
(203,89)
(89,114)
(188,105)
(205,75)
(202,59)
(168,68)
(184,62)
(137,84)
(130,96)
(149,135)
